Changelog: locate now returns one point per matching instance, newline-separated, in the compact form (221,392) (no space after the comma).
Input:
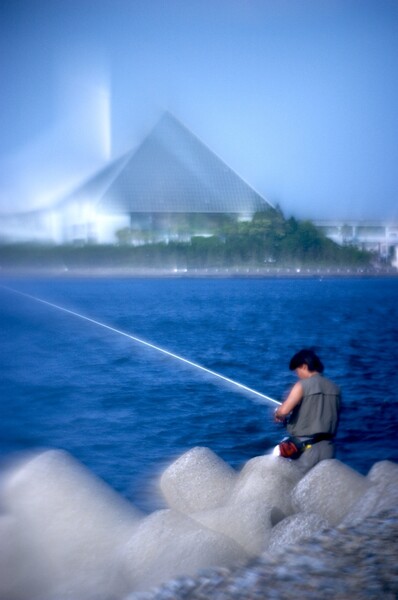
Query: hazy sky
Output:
(300,97)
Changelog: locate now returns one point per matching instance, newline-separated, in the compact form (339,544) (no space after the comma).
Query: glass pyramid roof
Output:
(172,171)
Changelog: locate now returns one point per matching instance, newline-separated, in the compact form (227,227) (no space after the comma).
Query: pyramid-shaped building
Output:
(171,180)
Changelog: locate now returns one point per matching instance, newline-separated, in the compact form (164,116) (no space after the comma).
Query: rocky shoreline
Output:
(347,562)
(267,531)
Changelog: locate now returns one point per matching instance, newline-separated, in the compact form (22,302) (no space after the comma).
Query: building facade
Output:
(379,237)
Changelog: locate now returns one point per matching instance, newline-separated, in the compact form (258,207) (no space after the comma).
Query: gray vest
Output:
(318,411)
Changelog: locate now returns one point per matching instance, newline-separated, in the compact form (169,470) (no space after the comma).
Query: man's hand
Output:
(277,417)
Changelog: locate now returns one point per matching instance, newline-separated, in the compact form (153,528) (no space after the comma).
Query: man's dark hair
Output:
(306,357)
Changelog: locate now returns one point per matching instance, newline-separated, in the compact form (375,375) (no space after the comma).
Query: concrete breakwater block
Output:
(248,523)
(198,480)
(65,534)
(382,495)
(168,544)
(269,481)
(330,490)
(384,473)
(71,524)
(21,572)
(203,486)
(293,529)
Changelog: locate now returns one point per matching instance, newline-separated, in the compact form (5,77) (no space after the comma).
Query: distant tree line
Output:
(267,240)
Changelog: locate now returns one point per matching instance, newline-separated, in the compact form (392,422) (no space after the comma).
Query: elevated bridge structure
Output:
(380,237)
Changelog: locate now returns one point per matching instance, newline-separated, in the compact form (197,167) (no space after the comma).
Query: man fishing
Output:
(310,413)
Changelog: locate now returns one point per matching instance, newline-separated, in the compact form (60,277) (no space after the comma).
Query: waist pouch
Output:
(292,447)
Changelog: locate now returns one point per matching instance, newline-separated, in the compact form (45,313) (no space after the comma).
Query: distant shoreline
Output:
(210,273)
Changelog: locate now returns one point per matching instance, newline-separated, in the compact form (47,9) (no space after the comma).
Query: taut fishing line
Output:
(145,343)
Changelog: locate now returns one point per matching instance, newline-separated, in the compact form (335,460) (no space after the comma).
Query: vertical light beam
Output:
(104,120)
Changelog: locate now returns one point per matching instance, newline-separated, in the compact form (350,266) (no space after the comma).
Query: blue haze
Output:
(126,411)
(298,96)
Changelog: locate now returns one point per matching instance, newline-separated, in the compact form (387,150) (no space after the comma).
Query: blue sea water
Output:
(126,410)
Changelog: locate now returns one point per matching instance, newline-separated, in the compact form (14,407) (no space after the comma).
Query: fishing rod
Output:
(145,343)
